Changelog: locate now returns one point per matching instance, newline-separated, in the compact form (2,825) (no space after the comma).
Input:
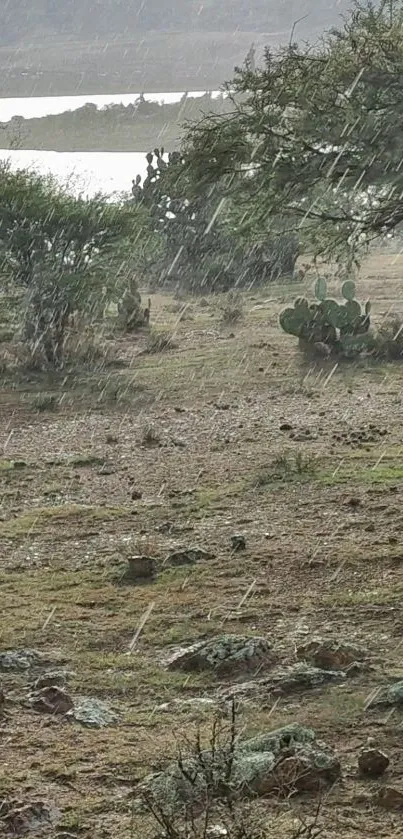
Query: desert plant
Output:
(159,341)
(342,327)
(232,308)
(389,339)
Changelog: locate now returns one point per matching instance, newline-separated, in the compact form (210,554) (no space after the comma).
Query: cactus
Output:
(320,288)
(348,290)
(341,326)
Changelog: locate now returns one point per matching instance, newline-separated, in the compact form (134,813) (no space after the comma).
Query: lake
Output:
(87,172)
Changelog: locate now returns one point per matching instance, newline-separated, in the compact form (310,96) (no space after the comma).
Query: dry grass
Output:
(322,552)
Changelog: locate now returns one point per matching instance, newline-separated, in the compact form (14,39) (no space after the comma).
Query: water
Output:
(85,172)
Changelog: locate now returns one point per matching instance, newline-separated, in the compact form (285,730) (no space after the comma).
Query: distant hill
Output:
(25,20)
(56,47)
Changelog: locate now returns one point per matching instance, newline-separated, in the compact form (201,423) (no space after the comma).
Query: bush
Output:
(232,308)
(389,339)
(61,253)
(159,342)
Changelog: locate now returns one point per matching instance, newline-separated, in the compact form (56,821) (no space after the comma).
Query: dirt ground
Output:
(321,513)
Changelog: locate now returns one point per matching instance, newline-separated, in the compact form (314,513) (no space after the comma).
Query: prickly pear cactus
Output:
(343,327)
(320,288)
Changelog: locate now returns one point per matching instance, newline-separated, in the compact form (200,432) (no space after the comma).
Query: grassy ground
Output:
(322,518)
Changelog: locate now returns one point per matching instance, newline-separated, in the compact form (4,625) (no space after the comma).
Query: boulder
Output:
(285,761)
(141,569)
(389,798)
(187,556)
(372,762)
(387,696)
(224,655)
(92,713)
(19,660)
(331,654)
(301,676)
(51,700)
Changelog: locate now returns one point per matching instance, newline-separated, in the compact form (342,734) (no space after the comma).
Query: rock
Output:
(330,654)
(372,762)
(238,543)
(55,678)
(300,677)
(136,495)
(19,660)
(285,426)
(187,556)
(385,697)
(92,713)
(225,654)
(285,761)
(24,818)
(141,568)
(51,700)
(389,798)
(299,768)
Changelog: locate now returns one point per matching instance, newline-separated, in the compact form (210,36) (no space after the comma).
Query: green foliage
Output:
(344,328)
(320,288)
(203,248)
(307,137)
(61,253)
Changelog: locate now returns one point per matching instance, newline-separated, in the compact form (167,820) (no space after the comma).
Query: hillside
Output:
(55,47)
(226,435)
(114,128)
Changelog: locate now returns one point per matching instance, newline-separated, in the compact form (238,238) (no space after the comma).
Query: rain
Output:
(201,474)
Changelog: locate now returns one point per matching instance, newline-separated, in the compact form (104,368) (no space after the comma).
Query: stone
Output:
(92,713)
(390,798)
(187,556)
(55,678)
(285,426)
(387,696)
(141,568)
(299,768)
(301,676)
(331,654)
(19,660)
(224,655)
(52,700)
(286,761)
(372,762)
(136,495)
(21,818)
(238,543)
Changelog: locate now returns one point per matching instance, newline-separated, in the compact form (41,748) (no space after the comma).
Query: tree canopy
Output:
(314,136)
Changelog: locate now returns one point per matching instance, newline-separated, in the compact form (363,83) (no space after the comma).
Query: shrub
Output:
(232,308)
(329,326)
(159,342)
(389,339)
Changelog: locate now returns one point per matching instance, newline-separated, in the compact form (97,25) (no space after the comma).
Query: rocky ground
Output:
(214,523)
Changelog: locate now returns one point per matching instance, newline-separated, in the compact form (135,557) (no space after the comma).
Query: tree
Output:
(62,252)
(314,136)
(204,248)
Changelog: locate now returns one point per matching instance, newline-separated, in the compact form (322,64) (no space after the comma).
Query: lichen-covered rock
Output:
(330,654)
(19,660)
(224,655)
(388,696)
(19,819)
(302,676)
(92,713)
(284,761)
(279,738)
